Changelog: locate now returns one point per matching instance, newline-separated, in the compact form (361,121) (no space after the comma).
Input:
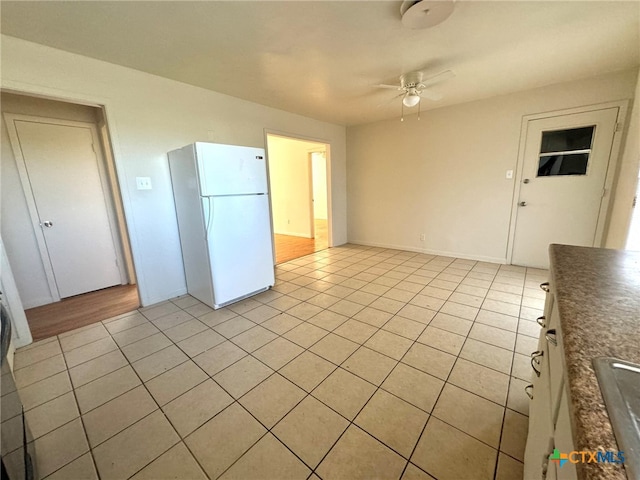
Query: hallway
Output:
(289,247)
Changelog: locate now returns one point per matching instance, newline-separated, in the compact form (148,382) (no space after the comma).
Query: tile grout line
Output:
(84,430)
(504,412)
(350,421)
(159,408)
(76,400)
(433,408)
(509,386)
(378,387)
(504,407)
(360,344)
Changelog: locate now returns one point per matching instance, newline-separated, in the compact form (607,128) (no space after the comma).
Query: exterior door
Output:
(64,177)
(566,159)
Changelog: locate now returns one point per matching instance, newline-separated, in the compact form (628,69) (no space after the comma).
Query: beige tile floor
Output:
(360,363)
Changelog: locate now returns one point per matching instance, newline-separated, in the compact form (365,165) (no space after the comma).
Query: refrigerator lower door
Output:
(240,247)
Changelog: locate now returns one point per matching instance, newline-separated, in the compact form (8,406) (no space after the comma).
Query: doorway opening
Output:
(300,203)
(63,222)
(633,238)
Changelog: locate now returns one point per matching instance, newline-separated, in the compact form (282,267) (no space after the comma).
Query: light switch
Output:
(509,174)
(143,183)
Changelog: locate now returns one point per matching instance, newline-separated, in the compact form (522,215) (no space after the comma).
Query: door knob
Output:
(47,224)
(523,204)
(526,180)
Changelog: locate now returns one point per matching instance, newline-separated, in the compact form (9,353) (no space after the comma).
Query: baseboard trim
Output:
(410,248)
(294,234)
(154,300)
(39,302)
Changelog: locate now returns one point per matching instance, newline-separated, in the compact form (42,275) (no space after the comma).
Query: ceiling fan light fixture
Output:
(425,13)
(411,99)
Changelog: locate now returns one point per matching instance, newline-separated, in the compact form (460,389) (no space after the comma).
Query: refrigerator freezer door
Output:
(240,246)
(231,170)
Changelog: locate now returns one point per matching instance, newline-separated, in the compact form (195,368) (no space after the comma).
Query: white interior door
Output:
(565,165)
(63,174)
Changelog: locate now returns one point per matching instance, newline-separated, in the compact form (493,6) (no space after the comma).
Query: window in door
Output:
(565,152)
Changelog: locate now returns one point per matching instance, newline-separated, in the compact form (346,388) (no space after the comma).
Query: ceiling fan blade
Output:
(440,77)
(430,95)
(380,105)
(394,87)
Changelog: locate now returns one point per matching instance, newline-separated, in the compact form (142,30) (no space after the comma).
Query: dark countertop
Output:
(598,298)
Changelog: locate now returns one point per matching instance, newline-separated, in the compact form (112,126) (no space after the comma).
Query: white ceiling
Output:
(321,58)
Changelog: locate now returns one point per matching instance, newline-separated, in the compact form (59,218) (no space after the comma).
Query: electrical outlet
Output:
(423,237)
(143,183)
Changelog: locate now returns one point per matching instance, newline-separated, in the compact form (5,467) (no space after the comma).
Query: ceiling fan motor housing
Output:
(411,80)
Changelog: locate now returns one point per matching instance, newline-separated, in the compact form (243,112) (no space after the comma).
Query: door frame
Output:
(312,201)
(612,167)
(312,222)
(303,138)
(30,197)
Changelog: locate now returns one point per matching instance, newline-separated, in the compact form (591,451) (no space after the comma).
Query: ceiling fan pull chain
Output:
(402,112)
(419,102)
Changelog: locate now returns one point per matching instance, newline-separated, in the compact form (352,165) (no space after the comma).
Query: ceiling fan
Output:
(414,86)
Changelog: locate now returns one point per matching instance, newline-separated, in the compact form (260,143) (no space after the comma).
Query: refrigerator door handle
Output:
(209,216)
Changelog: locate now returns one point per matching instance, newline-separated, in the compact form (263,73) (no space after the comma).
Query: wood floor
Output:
(81,310)
(74,312)
(289,247)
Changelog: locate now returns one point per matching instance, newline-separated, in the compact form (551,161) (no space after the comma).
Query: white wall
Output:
(622,211)
(444,175)
(290,181)
(633,239)
(319,181)
(148,116)
(20,333)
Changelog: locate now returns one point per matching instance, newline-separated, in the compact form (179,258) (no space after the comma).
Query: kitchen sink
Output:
(620,385)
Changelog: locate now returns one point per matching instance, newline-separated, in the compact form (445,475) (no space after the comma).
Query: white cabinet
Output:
(563,439)
(549,422)
(540,436)
(553,337)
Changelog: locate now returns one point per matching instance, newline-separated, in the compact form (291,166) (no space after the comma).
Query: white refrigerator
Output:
(222,206)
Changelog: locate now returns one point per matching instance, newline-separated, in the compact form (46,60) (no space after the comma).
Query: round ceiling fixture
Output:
(411,98)
(425,13)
